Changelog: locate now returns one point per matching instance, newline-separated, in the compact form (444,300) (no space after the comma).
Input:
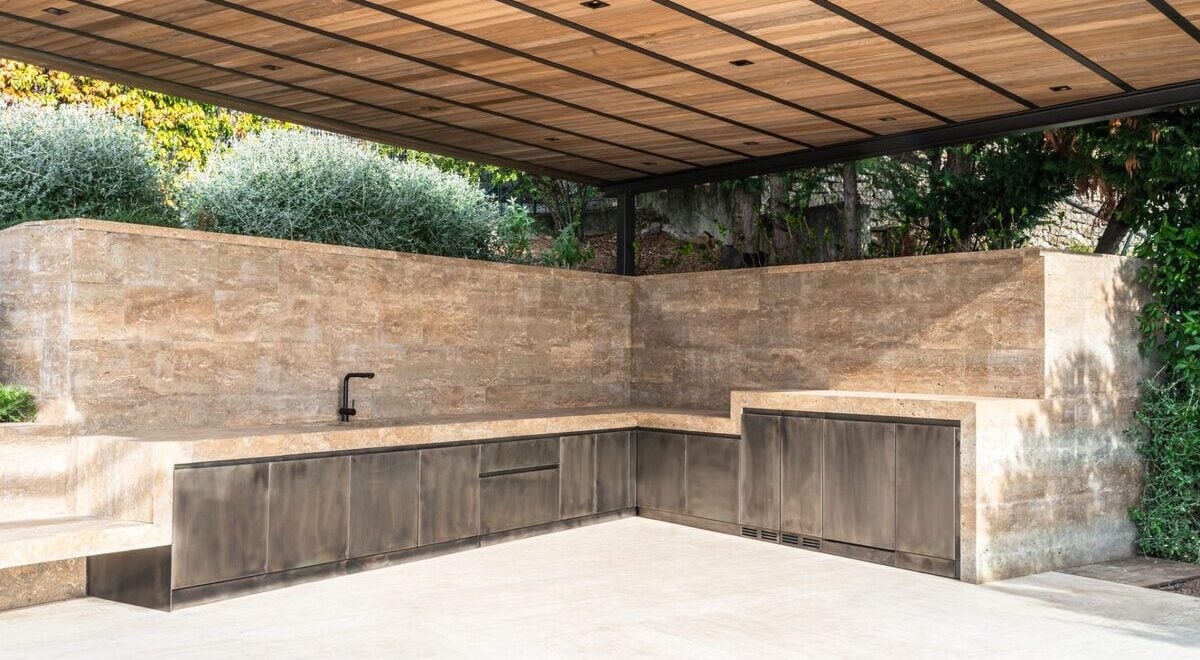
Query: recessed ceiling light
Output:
(552,139)
(56,11)
(647,162)
(750,143)
(272,67)
(594,4)
(430,108)
(741,62)
(887,119)
(1060,88)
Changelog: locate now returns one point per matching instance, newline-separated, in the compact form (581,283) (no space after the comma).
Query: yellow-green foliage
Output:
(184,132)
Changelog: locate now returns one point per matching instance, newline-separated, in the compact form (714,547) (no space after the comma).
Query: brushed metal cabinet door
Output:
(712,477)
(660,470)
(926,490)
(385,496)
(308,512)
(220,524)
(800,487)
(513,501)
(614,471)
(518,454)
(577,472)
(859,498)
(758,480)
(449,494)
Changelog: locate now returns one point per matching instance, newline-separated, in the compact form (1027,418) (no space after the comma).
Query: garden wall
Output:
(170,328)
(122,327)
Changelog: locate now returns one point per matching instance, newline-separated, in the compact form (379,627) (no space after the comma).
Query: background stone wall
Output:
(171,329)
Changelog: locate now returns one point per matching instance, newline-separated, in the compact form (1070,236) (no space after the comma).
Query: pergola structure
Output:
(637,95)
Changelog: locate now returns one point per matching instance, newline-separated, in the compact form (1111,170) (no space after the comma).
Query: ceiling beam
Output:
(373,81)
(283,20)
(1172,13)
(1079,112)
(1027,25)
(797,57)
(82,68)
(395,13)
(927,54)
(628,45)
(400,137)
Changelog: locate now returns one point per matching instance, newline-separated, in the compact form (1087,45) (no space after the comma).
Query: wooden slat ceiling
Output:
(631,92)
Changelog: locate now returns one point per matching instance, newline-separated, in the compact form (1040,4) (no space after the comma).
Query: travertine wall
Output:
(121,327)
(169,328)
(964,324)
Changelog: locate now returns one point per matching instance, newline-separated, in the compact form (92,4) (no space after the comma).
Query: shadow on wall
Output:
(1057,477)
(954,324)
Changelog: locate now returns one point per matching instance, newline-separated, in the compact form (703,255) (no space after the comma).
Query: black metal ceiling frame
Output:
(1069,114)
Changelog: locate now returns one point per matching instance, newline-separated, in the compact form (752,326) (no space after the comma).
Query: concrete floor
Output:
(633,587)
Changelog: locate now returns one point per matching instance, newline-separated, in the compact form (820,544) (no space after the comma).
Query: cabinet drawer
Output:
(518,455)
(512,501)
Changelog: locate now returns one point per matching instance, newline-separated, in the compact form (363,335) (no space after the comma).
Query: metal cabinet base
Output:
(142,577)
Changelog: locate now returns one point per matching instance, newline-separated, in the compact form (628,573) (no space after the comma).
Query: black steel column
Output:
(627,201)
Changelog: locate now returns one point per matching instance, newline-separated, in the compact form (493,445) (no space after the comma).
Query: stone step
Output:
(40,540)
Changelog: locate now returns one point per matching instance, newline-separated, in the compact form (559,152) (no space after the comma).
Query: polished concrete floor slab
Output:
(633,587)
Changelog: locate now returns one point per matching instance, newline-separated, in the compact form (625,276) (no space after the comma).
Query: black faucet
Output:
(347,410)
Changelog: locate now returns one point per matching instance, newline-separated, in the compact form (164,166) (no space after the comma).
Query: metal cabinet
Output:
(449,494)
(758,483)
(801,441)
(577,475)
(220,524)
(385,494)
(522,499)
(660,470)
(615,461)
(711,477)
(518,454)
(926,497)
(308,512)
(859,493)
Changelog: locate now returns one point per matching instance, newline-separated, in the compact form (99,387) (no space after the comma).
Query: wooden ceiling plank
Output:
(87,68)
(1145,43)
(640,90)
(1059,45)
(304,90)
(575,105)
(558,134)
(597,34)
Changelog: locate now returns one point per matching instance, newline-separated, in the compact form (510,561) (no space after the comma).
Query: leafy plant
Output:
(514,234)
(1168,518)
(75,161)
(16,404)
(567,251)
(315,186)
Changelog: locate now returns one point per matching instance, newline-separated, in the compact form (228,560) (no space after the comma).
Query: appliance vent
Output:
(768,535)
(750,532)
(789,539)
(810,542)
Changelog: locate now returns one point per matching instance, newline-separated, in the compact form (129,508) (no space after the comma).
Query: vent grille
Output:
(789,539)
(810,542)
(750,532)
(768,535)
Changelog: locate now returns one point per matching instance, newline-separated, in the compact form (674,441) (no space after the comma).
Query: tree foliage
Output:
(183,132)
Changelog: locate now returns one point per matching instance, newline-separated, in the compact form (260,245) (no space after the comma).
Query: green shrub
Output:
(16,404)
(314,186)
(1168,518)
(514,235)
(75,161)
(567,251)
